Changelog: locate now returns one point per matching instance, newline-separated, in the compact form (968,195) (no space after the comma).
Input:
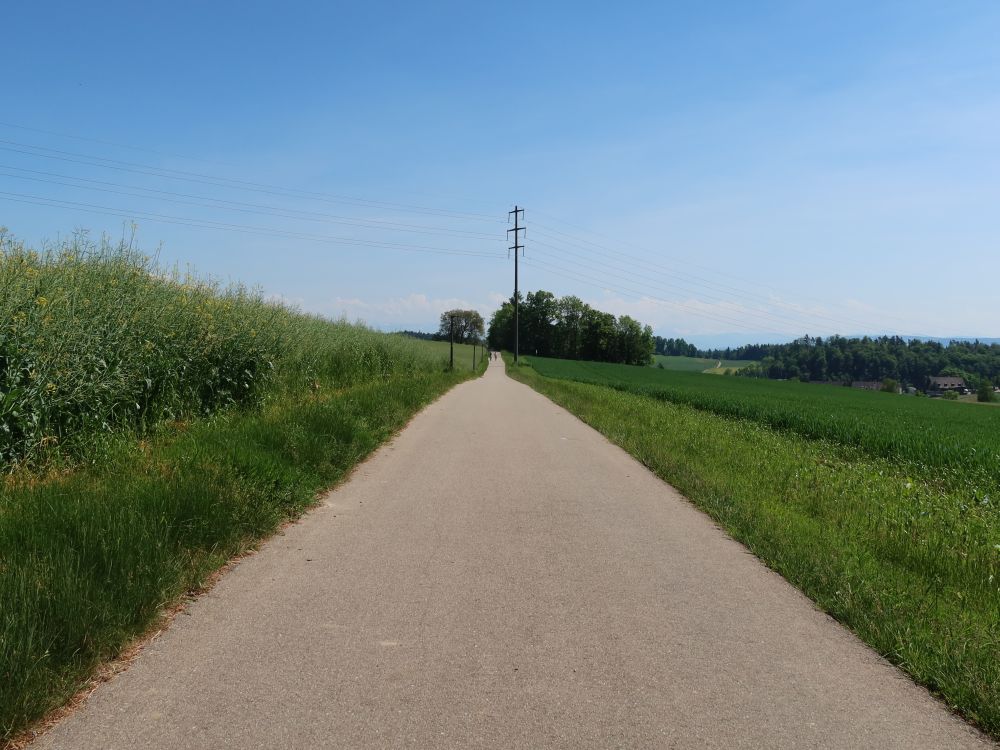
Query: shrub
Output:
(984,393)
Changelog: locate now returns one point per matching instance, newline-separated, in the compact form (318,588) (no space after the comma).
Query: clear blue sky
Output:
(771,168)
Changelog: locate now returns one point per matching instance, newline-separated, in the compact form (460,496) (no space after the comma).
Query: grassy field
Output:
(698,364)
(906,553)
(151,427)
(463,353)
(952,442)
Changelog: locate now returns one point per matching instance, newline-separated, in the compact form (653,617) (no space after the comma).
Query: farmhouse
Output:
(947,383)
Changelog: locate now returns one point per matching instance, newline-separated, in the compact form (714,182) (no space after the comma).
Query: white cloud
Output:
(413,311)
(691,316)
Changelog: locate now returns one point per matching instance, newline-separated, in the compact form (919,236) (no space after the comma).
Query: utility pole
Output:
(517,246)
(451,340)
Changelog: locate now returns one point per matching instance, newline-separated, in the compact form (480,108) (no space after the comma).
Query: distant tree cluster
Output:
(569,328)
(420,335)
(465,325)
(675,347)
(841,359)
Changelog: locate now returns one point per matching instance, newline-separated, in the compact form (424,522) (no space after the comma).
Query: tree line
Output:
(839,359)
(569,328)
(676,348)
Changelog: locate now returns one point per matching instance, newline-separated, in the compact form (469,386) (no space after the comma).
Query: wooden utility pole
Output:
(451,340)
(516,247)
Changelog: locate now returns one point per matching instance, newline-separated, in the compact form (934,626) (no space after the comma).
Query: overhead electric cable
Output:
(254,208)
(577,240)
(247,229)
(602,284)
(112,144)
(705,283)
(130,147)
(176,174)
(668,287)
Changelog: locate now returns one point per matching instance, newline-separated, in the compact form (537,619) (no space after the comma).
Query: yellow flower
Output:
(50,388)
(41,302)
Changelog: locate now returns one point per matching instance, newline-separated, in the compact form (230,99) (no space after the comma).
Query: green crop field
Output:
(957,443)
(151,427)
(698,364)
(881,508)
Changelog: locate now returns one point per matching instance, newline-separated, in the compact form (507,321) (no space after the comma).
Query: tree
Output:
(598,335)
(468,326)
(633,342)
(984,393)
(570,328)
(538,323)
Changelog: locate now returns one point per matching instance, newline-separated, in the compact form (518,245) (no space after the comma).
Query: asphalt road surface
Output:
(502,576)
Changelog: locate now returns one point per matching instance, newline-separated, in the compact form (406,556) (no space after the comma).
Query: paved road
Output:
(501,576)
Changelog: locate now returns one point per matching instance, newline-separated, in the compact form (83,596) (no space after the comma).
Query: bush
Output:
(984,393)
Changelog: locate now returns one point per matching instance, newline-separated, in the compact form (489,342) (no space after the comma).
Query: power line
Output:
(723,289)
(602,284)
(176,174)
(699,280)
(705,283)
(244,228)
(770,317)
(713,271)
(113,144)
(254,208)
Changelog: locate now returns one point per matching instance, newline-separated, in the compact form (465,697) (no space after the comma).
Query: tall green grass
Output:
(96,337)
(156,425)
(909,562)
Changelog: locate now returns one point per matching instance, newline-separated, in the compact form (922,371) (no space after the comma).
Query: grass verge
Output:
(912,567)
(151,428)
(89,560)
